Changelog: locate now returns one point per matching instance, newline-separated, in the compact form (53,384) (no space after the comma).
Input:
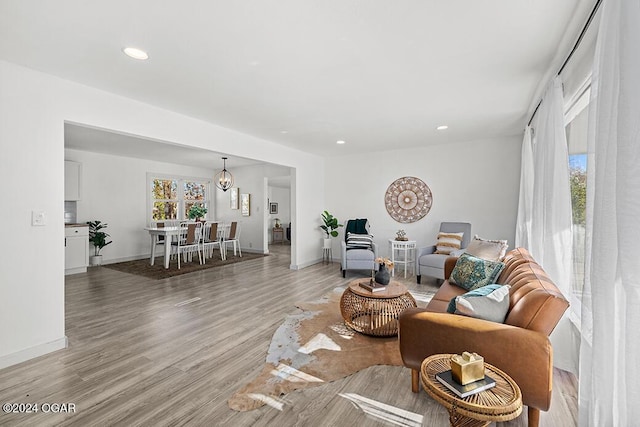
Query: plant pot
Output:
(95,260)
(383,276)
(326,243)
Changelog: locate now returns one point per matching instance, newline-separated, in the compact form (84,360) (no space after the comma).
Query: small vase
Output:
(383,276)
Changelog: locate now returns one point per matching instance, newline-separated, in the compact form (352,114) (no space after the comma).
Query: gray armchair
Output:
(354,258)
(432,264)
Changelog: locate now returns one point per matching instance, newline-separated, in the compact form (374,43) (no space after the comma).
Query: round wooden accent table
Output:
(500,403)
(375,313)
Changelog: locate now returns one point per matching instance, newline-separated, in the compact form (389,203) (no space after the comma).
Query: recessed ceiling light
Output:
(135,53)
(340,142)
(284,131)
(443,127)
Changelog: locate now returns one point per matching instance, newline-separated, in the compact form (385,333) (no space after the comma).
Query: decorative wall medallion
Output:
(408,199)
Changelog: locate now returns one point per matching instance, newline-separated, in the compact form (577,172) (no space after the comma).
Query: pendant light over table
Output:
(224,179)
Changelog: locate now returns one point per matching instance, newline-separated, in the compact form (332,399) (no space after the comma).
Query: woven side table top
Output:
(500,403)
(375,313)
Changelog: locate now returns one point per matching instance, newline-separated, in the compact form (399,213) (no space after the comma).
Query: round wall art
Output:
(408,199)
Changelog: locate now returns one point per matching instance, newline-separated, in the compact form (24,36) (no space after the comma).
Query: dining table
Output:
(168,233)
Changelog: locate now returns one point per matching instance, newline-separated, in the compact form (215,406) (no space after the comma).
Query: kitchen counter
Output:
(73,224)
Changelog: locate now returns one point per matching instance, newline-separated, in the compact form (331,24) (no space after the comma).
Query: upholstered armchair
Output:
(358,250)
(430,263)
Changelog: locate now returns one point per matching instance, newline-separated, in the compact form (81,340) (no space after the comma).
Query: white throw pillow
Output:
(448,242)
(492,306)
(493,250)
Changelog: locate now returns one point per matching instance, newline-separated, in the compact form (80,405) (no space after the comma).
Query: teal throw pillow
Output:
(471,272)
(489,302)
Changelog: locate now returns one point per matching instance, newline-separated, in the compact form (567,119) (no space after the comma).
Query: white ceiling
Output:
(378,74)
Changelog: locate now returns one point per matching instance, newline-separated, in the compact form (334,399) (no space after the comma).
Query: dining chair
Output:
(211,238)
(189,240)
(234,238)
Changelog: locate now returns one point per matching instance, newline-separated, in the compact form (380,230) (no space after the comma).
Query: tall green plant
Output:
(330,224)
(99,239)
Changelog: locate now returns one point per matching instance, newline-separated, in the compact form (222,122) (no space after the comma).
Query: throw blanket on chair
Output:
(356,226)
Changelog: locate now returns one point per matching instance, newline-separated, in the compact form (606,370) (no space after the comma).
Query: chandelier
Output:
(224,179)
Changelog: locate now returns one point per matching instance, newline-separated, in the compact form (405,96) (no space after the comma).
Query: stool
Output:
(327,254)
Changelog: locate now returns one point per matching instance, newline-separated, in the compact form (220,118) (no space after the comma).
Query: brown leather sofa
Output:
(520,346)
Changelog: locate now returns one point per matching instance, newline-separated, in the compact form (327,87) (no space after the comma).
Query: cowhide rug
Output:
(312,347)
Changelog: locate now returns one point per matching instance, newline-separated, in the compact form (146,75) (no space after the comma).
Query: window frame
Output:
(180,193)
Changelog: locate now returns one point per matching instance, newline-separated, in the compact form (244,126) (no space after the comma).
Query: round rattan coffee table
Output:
(500,403)
(375,313)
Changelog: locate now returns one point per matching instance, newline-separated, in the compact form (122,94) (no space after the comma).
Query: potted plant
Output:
(197,212)
(99,239)
(330,226)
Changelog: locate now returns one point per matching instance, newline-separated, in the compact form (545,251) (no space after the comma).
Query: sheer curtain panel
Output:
(525,204)
(610,344)
(544,212)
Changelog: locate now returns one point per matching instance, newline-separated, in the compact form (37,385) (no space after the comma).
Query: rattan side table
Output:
(375,313)
(500,403)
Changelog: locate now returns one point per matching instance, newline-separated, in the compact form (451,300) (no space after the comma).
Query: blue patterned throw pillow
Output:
(471,272)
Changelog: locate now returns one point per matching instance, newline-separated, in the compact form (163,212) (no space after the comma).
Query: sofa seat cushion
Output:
(433,260)
(471,272)
(360,255)
(489,302)
(440,300)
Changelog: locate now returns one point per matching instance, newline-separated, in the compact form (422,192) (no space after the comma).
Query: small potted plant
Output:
(99,239)
(330,226)
(197,212)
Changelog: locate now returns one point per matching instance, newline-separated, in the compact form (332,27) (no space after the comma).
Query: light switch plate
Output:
(38,218)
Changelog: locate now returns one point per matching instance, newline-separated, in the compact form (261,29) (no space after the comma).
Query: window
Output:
(172,197)
(576,119)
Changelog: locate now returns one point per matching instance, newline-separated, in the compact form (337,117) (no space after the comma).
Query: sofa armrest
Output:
(449,264)
(424,251)
(525,355)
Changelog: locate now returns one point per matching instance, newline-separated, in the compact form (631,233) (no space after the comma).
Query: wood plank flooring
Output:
(137,356)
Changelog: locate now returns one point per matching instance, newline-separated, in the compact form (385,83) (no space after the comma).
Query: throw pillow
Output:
(448,242)
(489,302)
(359,241)
(493,250)
(472,272)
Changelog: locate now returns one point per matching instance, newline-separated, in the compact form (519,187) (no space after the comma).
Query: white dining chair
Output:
(210,239)
(189,240)
(233,237)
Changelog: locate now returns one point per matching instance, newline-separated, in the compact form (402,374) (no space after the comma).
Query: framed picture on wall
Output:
(233,196)
(273,208)
(245,204)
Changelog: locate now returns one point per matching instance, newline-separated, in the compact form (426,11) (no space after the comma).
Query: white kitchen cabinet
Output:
(76,249)
(72,183)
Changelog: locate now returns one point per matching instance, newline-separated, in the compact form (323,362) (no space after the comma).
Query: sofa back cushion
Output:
(535,301)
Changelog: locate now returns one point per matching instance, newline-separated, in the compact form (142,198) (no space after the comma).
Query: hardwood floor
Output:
(172,351)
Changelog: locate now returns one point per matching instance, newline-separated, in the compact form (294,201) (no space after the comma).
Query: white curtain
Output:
(609,393)
(525,205)
(544,212)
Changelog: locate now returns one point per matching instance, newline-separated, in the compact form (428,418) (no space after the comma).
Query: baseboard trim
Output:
(33,352)
(305,265)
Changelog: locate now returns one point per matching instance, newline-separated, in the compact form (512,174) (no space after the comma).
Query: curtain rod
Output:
(575,47)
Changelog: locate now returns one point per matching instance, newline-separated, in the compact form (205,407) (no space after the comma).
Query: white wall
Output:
(114,191)
(249,180)
(33,109)
(476,182)
(283,199)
